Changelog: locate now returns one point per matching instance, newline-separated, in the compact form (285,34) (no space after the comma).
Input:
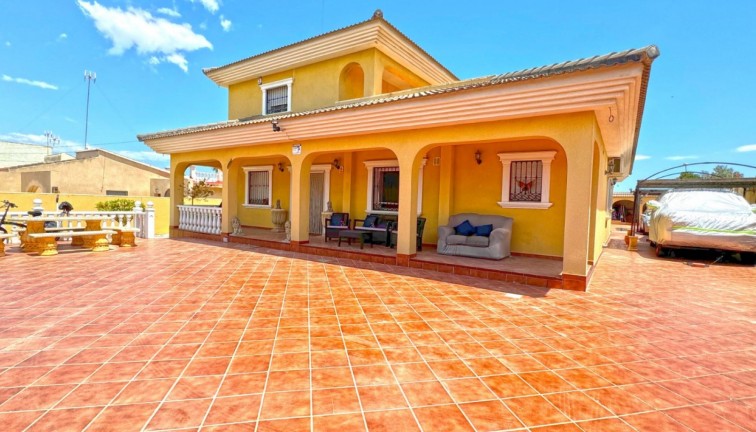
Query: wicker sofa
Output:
(494,246)
(379,225)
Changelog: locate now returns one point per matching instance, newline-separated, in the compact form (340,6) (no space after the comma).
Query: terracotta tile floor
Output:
(190,335)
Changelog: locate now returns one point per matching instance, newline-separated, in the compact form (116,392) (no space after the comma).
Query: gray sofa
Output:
(495,246)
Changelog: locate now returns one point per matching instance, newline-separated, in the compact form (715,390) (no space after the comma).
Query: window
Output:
(258,190)
(276,96)
(117,192)
(386,188)
(383,187)
(526,179)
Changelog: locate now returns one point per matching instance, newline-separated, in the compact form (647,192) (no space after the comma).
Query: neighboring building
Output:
(14,154)
(93,171)
(364,118)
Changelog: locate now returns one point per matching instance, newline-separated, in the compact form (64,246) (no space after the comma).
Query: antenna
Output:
(52,140)
(90,77)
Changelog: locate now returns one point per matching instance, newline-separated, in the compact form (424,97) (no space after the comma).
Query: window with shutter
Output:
(258,190)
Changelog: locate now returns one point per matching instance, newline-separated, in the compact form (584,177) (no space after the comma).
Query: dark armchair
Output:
(420,229)
(336,223)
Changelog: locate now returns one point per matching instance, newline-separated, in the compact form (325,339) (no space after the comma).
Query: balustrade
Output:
(202,219)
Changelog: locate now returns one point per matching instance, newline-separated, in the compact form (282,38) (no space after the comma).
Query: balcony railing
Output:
(203,219)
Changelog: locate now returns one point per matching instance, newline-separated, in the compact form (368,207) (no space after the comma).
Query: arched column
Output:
(230,194)
(300,200)
(406,242)
(579,148)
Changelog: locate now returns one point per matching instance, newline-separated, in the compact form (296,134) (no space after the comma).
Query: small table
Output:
(362,236)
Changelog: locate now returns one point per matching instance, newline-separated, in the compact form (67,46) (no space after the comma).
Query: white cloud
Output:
(145,156)
(746,148)
(211,5)
(68,145)
(225,23)
(640,157)
(169,12)
(138,29)
(179,60)
(7,43)
(677,158)
(62,37)
(203,26)
(33,83)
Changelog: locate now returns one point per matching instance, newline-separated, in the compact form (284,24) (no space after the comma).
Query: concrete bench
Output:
(92,239)
(58,229)
(4,236)
(75,241)
(124,236)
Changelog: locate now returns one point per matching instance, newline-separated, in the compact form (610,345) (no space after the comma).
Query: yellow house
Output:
(334,117)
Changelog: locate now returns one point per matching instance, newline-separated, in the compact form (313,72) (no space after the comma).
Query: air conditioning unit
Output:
(613,165)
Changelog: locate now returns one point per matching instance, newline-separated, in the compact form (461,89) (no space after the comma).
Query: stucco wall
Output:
(13,154)
(317,85)
(86,176)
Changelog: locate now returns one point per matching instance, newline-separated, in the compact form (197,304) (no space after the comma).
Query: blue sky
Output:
(149,55)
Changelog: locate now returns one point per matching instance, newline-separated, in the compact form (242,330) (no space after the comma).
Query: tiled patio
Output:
(189,335)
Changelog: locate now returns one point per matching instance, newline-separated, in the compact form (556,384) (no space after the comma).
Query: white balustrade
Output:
(202,219)
(144,219)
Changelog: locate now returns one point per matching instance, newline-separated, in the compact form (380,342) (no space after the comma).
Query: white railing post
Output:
(37,205)
(149,220)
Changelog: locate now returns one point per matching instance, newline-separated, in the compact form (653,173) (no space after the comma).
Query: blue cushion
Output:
(465,228)
(338,220)
(370,221)
(483,230)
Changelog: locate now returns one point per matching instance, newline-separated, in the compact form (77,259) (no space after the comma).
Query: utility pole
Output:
(89,76)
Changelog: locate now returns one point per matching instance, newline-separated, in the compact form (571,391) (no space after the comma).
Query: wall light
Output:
(276,127)
(336,164)
(280,167)
(259,81)
(478,157)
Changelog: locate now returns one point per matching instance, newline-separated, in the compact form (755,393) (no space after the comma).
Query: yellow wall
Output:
(477,189)
(24,201)
(260,217)
(317,85)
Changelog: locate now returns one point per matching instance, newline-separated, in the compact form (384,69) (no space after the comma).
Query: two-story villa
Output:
(365,119)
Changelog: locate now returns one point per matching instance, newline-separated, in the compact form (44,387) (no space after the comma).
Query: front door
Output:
(317,187)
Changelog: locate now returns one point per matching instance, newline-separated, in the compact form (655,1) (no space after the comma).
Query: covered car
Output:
(703,219)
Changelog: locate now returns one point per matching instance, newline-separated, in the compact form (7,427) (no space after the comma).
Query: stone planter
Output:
(278,217)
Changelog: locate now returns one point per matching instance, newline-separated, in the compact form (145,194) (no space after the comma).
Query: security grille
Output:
(277,100)
(525,181)
(386,188)
(259,187)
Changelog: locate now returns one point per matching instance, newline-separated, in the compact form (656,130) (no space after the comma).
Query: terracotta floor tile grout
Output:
(679,352)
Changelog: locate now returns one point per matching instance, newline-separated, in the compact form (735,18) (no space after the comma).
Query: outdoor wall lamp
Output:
(259,81)
(276,127)
(336,164)
(280,167)
(478,158)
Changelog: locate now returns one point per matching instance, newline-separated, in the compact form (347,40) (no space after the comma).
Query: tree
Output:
(689,175)
(722,171)
(197,189)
